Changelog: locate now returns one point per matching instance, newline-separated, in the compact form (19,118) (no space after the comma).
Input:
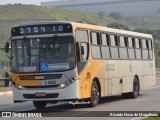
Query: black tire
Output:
(39,104)
(135,92)
(95,95)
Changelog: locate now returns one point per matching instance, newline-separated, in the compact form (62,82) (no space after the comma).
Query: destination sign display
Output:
(41,29)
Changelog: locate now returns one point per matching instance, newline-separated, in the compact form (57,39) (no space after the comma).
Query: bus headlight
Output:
(19,87)
(62,86)
(67,83)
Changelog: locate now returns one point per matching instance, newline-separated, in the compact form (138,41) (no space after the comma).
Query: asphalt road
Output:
(149,100)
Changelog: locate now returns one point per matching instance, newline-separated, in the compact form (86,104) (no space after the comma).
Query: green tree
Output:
(116,15)
(154,32)
(118,25)
(101,15)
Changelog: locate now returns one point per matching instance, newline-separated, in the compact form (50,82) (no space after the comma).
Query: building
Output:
(126,7)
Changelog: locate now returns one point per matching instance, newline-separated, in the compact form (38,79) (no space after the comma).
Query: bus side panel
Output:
(126,75)
(93,69)
(112,82)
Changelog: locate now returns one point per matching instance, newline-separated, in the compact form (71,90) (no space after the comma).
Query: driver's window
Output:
(82,37)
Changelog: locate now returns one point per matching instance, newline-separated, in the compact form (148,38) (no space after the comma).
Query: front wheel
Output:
(95,94)
(39,104)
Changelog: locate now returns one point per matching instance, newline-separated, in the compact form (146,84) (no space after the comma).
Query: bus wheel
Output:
(135,92)
(39,104)
(95,95)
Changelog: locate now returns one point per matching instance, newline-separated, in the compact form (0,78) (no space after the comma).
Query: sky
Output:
(36,2)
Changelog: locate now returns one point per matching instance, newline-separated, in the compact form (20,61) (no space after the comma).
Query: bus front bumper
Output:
(47,94)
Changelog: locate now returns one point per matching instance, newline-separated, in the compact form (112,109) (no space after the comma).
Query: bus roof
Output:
(90,26)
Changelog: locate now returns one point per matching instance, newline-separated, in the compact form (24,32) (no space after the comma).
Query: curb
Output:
(6,93)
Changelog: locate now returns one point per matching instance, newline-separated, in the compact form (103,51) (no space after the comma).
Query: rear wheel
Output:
(95,95)
(39,104)
(135,92)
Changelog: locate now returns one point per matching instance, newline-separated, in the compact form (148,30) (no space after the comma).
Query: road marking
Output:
(81,113)
(6,93)
(153,87)
(138,118)
(6,103)
(139,100)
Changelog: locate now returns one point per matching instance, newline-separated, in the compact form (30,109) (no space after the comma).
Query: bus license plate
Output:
(47,82)
(40,94)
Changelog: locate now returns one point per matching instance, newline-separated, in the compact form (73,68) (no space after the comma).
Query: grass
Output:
(39,12)
(153,118)
(152,22)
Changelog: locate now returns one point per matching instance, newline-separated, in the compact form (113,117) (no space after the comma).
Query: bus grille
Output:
(41,77)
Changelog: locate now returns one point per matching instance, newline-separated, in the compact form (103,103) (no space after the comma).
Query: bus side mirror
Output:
(7,47)
(79,54)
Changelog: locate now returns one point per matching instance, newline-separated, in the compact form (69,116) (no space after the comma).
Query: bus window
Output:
(131,52)
(105,46)
(81,36)
(114,47)
(105,39)
(138,50)
(95,39)
(150,49)
(122,42)
(123,48)
(145,52)
(137,43)
(144,44)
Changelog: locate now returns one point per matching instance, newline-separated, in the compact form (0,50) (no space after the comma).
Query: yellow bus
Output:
(71,61)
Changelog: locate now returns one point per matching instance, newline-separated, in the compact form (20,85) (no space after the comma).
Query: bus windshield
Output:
(43,54)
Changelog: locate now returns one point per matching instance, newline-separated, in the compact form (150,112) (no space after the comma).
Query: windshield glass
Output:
(43,54)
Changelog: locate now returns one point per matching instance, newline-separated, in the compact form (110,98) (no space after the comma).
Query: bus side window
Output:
(114,46)
(131,45)
(95,45)
(138,48)
(95,38)
(145,52)
(150,49)
(123,47)
(82,37)
(105,46)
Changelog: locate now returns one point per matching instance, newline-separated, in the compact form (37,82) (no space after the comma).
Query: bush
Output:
(118,26)
(116,15)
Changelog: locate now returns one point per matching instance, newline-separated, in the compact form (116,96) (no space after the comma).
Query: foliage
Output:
(101,14)
(154,32)
(151,22)
(116,15)
(118,25)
